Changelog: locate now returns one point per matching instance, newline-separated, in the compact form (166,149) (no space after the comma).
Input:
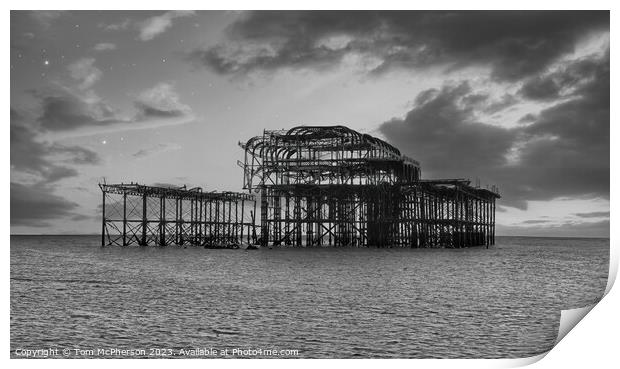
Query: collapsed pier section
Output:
(135,214)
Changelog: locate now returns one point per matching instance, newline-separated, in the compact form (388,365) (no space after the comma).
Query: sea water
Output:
(68,293)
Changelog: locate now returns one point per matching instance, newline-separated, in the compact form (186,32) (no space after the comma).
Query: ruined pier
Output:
(315,186)
(335,186)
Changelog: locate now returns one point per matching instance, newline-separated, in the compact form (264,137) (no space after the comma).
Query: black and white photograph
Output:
(306,184)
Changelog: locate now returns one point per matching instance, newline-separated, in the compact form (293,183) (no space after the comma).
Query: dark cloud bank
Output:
(561,152)
(515,44)
(34,203)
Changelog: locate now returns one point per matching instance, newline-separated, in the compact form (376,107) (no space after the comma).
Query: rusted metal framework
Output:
(135,214)
(445,213)
(335,186)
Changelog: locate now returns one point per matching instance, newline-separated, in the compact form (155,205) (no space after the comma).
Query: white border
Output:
(593,342)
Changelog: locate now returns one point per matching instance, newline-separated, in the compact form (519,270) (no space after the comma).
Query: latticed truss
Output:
(135,214)
(323,155)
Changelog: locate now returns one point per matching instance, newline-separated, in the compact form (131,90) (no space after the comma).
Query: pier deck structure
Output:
(134,214)
(331,185)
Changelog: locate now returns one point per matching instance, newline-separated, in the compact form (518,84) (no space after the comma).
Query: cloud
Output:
(35,205)
(506,101)
(36,167)
(161,101)
(104,46)
(535,221)
(63,111)
(539,88)
(515,44)
(76,110)
(74,105)
(562,152)
(527,118)
(594,214)
(563,82)
(443,133)
(74,154)
(46,162)
(149,28)
(84,72)
(226,60)
(65,115)
(157,149)
(46,17)
(123,25)
(562,229)
(154,26)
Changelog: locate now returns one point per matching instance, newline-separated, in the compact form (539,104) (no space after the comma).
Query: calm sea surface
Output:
(68,292)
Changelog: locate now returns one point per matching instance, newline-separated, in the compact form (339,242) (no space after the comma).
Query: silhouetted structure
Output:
(318,186)
(333,185)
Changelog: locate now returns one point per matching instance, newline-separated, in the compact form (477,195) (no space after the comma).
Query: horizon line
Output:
(98,234)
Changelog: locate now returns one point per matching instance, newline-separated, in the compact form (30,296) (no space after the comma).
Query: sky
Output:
(519,100)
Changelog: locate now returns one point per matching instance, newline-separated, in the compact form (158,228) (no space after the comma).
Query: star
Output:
(163,60)
(104,142)
(46,62)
